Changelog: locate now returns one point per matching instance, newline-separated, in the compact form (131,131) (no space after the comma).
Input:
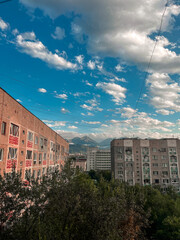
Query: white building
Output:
(98,159)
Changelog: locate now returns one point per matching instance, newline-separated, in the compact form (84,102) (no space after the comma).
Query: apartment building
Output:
(98,159)
(79,161)
(27,143)
(148,161)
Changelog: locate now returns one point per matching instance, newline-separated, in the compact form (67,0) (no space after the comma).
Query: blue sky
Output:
(79,65)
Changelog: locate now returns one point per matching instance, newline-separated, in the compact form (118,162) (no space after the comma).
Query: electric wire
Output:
(150,60)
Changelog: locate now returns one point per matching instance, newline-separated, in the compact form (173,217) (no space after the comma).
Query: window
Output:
(45,142)
(156,180)
(41,141)
(36,140)
(35,158)
(154,149)
(163,157)
(155,164)
(44,170)
(22,153)
(30,136)
(164,164)
(22,141)
(1,154)
(163,150)
(155,172)
(12,153)
(44,156)
(164,173)
(14,130)
(3,128)
(40,158)
(29,154)
(165,180)
(23,132)
(21,163)
(154,157)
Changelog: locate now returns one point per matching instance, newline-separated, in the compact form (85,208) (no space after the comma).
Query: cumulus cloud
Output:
(91,65)
(119,68)
(64,111)
(62,96)
(92,105)
(126,112)
(164,93)
(115,90)
(92,122)
(29,44)
(18,100)
(164,112)
(72,127)
(122,29)
(59,33)
(50,123)
(80,59)
(3,24)
(42,90)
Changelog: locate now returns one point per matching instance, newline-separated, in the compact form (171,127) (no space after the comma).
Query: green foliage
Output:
(71,205)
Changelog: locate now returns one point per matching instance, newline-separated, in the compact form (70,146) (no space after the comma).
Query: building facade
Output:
(27,143)
(79,161)
(98,159)
(149,161)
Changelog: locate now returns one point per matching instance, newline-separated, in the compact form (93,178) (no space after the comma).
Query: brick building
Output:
(147,161)
(26,142)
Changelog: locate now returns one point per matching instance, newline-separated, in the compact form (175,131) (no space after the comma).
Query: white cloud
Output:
(72,127)
(80,59)
(51,123)
(126,112)
(164,112)
(93,105)
(123,29)
(59,33)
(62,96)
(88,83)
(63,110)
(115,90)
(18,100)
(3,25)
(119,68)
(164,93)
(92,122)
(91,65)
(28,44)
(90,114)
(42,90)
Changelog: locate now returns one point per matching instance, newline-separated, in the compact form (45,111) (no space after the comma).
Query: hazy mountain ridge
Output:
(80,145)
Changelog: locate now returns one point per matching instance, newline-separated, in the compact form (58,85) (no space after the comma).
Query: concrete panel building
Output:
(98,159)
(148,161)
(27,143)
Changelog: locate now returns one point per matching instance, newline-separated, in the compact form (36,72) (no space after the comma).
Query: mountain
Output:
(86,141)
(80,145)
(106,143)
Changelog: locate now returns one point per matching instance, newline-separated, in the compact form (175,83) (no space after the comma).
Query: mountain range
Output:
(80,145)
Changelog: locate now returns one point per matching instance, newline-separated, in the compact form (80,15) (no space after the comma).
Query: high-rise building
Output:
(148,161)
(26,142)
(98,159)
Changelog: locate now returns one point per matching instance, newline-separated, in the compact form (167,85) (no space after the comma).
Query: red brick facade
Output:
(26,142)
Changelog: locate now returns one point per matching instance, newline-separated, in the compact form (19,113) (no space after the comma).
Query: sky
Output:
(101,68)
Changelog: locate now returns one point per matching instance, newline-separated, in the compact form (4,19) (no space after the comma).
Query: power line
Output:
(150,60)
